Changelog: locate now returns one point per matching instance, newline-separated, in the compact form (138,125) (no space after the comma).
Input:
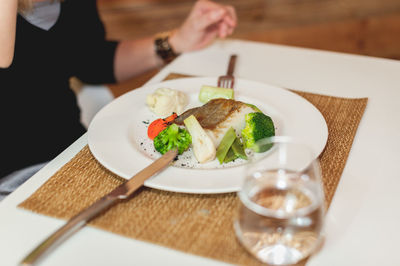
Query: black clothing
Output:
(39,114)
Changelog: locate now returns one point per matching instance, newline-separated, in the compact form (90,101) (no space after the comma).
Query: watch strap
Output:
(163,48)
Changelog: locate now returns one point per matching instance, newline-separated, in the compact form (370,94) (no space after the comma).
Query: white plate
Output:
(117,135)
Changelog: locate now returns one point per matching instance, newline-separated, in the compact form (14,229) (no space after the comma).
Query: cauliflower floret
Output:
(164,101)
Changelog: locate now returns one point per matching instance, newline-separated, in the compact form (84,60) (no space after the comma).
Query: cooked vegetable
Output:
(255,108)
(171,137)
(225,144)
(165,101)
(230,156)
(203,146)
(238,149)
(258,126)
(159,125)
(230,148)
(209,92)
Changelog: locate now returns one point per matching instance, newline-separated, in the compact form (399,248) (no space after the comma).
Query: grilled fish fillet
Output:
(217,116)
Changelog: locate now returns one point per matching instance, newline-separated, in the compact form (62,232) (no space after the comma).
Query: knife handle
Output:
(72,226)
(82,218)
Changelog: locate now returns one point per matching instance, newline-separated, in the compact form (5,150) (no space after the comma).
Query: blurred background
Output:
(366,27)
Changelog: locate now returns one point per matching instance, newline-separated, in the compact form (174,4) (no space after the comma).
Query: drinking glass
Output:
(281,211)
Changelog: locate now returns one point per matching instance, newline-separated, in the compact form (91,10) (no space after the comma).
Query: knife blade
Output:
(121,192)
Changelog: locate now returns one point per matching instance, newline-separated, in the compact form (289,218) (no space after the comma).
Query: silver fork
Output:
(228,81)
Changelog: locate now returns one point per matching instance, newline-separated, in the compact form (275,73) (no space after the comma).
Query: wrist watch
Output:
(163,48)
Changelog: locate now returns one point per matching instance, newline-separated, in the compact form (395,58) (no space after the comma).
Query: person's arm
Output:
(135,57)
(207,21)
(8,17)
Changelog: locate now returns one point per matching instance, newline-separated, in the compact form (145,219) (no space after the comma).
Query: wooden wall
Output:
(367,27)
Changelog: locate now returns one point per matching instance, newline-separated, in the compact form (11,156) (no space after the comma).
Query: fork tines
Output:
(226,82)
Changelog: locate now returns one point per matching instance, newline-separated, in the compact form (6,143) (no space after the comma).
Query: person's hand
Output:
(206,21)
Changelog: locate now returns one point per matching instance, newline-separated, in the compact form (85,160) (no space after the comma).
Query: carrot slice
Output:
(156,127)
(171,118)
(159,125)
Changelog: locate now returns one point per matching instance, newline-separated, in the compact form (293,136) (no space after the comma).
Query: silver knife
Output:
(121,192)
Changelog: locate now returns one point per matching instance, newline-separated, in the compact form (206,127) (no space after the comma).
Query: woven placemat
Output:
(198,224)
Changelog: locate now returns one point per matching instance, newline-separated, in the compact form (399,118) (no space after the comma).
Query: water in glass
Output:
(280,216)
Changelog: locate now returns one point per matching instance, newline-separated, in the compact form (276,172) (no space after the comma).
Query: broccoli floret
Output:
(171,137)
(258,126)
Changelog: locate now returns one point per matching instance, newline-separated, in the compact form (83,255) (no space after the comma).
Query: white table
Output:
(362,226)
